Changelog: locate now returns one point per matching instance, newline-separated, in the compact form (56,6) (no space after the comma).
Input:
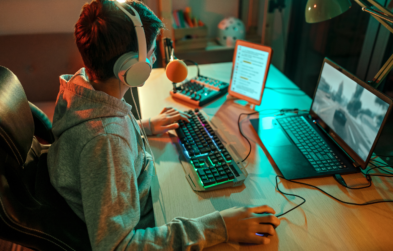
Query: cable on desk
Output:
(379,162)
(368,177)
(278,189)
(282,88)
(240,129)
(195,63)
(282,112)
(286,93)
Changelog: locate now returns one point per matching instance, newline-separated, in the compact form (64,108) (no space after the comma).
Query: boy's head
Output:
(103,33)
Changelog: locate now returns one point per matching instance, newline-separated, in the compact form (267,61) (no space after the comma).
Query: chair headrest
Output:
(16,120)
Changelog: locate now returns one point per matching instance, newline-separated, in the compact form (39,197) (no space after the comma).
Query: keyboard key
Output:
(314,156)
(200,172)
(208,182)
(234,170)
(222,178)
(205,150)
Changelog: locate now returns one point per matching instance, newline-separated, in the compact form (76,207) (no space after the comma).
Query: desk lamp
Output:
(322,10)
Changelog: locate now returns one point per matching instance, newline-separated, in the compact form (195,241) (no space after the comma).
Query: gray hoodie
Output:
(98,164)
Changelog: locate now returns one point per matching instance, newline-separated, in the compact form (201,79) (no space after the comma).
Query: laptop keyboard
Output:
(313,147)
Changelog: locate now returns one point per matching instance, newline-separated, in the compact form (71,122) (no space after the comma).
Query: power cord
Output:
(286,93)
(367,174)
(282,112)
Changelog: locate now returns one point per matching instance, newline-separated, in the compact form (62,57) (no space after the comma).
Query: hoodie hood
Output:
(78,102)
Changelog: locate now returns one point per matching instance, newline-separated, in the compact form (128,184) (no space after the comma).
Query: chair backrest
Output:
(32,213)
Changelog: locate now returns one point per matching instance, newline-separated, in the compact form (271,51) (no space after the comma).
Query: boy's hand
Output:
(243,223)
(167,120)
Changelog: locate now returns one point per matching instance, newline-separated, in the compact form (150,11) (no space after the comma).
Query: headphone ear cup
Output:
(137,74)
(130,71)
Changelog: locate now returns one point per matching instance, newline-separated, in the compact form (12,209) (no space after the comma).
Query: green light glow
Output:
(210,161)
(218,183)
(200,181)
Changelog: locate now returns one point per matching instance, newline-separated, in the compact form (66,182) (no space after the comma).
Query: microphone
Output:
(176,71)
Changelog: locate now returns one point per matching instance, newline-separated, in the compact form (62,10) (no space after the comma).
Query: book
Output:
(195,22)
(187,16)
(181,19)
(176,17)
(174,25)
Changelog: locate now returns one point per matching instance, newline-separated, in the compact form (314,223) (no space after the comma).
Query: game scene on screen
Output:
(354,113)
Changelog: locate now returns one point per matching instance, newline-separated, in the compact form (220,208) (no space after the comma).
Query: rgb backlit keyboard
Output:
(209,165)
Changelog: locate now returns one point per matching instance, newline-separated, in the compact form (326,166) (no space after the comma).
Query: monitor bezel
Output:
(335,137)
(257,47)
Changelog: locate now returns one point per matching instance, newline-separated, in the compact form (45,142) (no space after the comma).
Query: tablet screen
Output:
(250,66)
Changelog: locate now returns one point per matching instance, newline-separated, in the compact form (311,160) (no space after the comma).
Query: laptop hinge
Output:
(355,164)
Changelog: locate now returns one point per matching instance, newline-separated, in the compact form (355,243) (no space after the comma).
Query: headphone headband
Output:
(133,72)
(140,33)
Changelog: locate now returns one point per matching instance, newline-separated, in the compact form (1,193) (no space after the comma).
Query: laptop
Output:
(338,134)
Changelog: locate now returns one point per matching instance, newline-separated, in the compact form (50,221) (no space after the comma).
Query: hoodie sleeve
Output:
(146,125)
(111,205)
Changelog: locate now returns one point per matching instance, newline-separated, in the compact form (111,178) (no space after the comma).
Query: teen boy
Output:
(98,161)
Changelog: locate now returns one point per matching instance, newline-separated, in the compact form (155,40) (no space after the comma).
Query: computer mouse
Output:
(265,234)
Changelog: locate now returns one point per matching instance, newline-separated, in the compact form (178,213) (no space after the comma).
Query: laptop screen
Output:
(351,111)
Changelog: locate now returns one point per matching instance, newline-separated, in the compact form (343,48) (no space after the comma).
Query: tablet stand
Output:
(248,104)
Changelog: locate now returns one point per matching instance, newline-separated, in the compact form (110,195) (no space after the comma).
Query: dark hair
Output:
(104,32)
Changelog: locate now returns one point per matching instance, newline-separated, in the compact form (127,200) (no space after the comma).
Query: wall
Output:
(38,16)
(210,12)
(277,33)
(43,16)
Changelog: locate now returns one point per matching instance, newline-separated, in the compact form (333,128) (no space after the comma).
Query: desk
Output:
(320,224)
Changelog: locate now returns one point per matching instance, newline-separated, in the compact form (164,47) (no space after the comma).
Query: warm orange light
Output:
(315,6)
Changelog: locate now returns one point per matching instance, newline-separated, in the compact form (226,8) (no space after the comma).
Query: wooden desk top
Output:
(320,224)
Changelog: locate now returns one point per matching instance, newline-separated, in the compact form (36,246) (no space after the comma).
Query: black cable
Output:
(304,200)
(240,130)
(195,63)
(286,93)
(283,88)
(381,163)
(367,175)
(282,111)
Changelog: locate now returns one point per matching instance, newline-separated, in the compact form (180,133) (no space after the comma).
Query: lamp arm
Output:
(379,14)
(366,6)
(385,17)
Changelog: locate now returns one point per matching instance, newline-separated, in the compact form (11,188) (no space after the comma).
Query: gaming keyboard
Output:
(311,144)
(200,90)
(207,162)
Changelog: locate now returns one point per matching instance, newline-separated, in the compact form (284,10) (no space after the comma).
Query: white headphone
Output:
(133,68)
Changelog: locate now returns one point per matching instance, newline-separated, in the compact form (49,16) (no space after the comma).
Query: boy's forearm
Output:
(146,125)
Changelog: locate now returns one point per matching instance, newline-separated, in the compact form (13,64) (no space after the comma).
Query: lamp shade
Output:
(322,10)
